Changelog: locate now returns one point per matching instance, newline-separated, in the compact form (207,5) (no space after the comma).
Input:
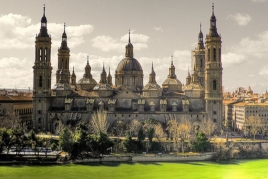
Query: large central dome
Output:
(129,64)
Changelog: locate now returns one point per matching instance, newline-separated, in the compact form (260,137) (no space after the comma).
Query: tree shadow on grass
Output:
(149,163)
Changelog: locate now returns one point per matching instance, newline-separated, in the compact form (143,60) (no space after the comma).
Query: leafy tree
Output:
(141,135)
(129,144)
(100,143)
(200,143)
(66,140)
(82,140)
(6,139)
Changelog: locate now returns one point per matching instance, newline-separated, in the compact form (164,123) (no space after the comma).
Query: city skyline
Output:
(158,30)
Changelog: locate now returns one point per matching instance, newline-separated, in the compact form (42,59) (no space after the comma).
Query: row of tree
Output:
(254,125)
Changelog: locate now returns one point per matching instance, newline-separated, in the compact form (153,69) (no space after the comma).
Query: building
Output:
(69,101)
(17,104)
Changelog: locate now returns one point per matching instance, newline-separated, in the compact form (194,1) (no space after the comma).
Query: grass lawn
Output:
(240,169)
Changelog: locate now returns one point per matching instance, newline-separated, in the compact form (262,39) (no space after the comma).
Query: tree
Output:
(200,143)
(99,122)
(66,140)
(184,131)
(10,121)
(134,127)
(172,127)
(129,144)
(253,125)
(100,143)
(159,132)
(82,140)
(119,128)
(208,126)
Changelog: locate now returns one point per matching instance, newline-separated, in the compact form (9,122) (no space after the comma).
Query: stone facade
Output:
(129,98)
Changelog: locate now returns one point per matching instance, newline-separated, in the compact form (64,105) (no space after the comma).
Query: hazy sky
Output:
(159,29)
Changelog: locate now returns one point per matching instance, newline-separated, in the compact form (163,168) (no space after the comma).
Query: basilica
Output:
(128,94)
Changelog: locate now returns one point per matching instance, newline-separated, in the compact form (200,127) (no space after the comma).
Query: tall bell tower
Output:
(63,59)
(213,73)
(42,77)
(198,59)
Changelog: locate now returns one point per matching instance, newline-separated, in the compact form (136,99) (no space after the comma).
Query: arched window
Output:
(45,54)
(40,54)
(214,54)
(214,85)
(40,81)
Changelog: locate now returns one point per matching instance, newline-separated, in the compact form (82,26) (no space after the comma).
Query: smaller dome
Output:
(171,81)
(152,86)
(87,81)
(102,86)
(129,64)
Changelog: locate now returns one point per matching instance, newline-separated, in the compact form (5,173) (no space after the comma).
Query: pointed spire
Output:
(213,29)
(188,72)
(109,78)
(213,8)
(172,70)
(73,69)
(103,67)
(87,60)
(44,14)
(64,40)
(129,47)
(103,75)
(43,30)
(129,36)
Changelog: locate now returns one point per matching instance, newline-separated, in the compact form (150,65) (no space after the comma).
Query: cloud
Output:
(12,71)
(264,71)
(258,1)
(107,43)
(247,49)
(18,32)
(241,19)
(158,29)
(232,58)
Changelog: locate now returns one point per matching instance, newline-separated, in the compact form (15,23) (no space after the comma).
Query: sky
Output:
(159,29)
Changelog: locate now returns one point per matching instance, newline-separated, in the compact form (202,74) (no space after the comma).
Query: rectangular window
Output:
(214,112)
(39,120)
(40,81)
(214,54)
(208,54)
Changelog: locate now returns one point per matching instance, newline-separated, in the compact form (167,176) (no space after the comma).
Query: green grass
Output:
(240,169)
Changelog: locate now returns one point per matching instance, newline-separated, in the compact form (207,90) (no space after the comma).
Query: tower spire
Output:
(129,36)
(87,60)
(129,47)
(44,14)
(213,8)
(171,60)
